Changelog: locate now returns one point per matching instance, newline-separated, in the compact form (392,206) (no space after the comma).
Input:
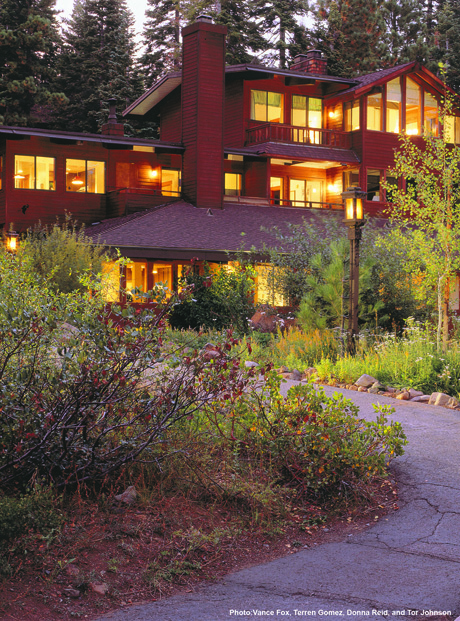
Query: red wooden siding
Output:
(171,117)
(202,113)
(234,127)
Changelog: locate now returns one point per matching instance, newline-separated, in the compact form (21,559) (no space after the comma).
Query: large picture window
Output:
(413,108)
(431,114)
(374,112)
(85,176)
(351,115)
(394,106)
(267,107)
(34,173)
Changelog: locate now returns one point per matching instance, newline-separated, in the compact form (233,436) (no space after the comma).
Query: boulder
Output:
(439,398)
(249,364)
(311,371)
(128,496)
(421,399)
(415,393)
(73,593)
(452,403)
(296,375)
(283,369)
(362,389)
(403,396)
(101,588)
(366,381)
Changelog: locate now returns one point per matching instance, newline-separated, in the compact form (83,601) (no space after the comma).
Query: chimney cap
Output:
(204,18)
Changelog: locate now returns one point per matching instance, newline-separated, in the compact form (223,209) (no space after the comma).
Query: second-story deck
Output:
(258,133)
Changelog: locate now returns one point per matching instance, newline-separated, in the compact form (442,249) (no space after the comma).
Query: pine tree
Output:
(352,35)
(404,22)
(28,42)
(449,42)
(280,20)
(97,63)
(161,39)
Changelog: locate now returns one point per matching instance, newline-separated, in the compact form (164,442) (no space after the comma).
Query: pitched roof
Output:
(199,232)
(369,79)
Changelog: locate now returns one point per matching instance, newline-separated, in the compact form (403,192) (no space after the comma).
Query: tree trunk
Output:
(440,308)
(445,319)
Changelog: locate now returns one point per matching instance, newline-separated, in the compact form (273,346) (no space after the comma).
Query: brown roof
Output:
(376,76)
(204,233)
(304,152)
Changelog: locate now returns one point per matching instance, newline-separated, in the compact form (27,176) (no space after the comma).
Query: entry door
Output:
(297,192)
(313,192)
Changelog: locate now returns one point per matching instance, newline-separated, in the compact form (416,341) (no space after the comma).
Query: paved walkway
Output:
(406,566)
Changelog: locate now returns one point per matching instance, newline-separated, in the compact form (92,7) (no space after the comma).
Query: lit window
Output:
(413,108)
(431,114)
(111,281)
(34,173)
(373,185)
(394,106)
(170,182)
(266,290)
(136,278)
(297,192)
(452,129)
(392,182)
(351,115)
(374,112)
(232,184)
(276,190)
(267,107)
(85,176)
(351,178)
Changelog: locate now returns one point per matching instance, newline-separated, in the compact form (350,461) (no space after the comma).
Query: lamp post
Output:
(11,241)
(354,219)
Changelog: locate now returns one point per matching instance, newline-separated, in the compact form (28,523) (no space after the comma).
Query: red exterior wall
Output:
(202,113)
(124,169)
(171,117)
(234,126)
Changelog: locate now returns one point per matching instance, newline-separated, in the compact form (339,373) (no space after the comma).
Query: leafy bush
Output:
(82,393)
(62,253)
(311,442)
(37,511)
(219,299)
(300,349)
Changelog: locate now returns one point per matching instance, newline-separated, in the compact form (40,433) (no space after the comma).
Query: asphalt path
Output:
(407,566)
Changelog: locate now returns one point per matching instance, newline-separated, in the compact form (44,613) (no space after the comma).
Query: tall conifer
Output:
(28,41)
(97,63)
(404,20)
(352,35)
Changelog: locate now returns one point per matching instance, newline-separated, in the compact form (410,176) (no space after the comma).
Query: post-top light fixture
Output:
(11,240)
(353,198)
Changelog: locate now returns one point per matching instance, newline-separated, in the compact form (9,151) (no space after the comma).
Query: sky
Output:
(137,8)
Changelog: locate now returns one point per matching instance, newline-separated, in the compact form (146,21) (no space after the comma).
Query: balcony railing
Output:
(278,132)
(284,202)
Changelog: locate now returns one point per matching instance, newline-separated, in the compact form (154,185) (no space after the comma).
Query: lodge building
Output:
(242,149)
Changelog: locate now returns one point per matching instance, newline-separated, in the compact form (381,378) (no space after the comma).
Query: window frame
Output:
(267,93)
(85,160)
(349,108)
(44,157)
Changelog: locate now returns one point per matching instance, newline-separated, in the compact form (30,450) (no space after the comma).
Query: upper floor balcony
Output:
(258,133)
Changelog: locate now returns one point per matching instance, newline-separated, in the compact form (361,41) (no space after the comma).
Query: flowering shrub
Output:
(82,394)
(311,442)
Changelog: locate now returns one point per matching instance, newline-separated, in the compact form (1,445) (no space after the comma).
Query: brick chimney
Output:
(311,62)
(203,91)
(112,127)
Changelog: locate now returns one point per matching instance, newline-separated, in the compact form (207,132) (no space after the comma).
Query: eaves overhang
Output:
(155,94)
(106,140)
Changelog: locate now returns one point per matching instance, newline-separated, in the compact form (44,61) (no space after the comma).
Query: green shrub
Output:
(300,349)
(218,299)
(37,511)
(81,393)
(309,441)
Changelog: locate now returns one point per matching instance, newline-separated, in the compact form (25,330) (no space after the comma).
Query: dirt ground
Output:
(108,558)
